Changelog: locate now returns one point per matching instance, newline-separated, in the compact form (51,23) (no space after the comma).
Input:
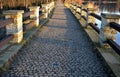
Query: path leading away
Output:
(59,49)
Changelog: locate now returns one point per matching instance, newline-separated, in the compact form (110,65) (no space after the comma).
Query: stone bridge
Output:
(60,48)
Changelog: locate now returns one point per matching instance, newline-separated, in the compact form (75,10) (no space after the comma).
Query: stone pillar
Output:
(87,17)
(79,7)
(91,19)
(16,28)
(75,9)
(81,11)
(106,32)
(45,10)
(71,7)
(35,16)
(51,6)
(78,12)
(48,8)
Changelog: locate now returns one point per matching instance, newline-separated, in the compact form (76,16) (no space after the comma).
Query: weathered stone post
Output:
(74,9)
(106,32)
(91,8)
(51,6)
(83,12)
(80,6)
(80,11)
(16,28)
(90,19)
(35,16)
(77,9)
(45,10)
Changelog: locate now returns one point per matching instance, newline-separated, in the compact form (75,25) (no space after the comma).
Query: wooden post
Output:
(16,28)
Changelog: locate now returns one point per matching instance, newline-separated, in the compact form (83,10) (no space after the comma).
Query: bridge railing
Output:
(16,22)
(6,38)
(109,28)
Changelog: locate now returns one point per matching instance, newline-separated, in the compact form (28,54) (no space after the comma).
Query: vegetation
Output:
(74,1)
(21,3)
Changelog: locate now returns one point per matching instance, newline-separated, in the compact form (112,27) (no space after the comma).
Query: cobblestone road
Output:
(59,49)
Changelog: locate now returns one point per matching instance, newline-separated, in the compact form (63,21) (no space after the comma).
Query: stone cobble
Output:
(59,49)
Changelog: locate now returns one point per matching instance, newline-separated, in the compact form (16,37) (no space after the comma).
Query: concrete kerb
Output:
(11,52)
(110,59)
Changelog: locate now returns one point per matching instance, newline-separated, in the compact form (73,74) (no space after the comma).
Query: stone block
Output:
(45,15)
(16,26)
(17,37)
(12,28)
(114,32)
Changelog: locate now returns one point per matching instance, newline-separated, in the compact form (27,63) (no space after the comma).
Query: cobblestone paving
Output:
(59,49)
